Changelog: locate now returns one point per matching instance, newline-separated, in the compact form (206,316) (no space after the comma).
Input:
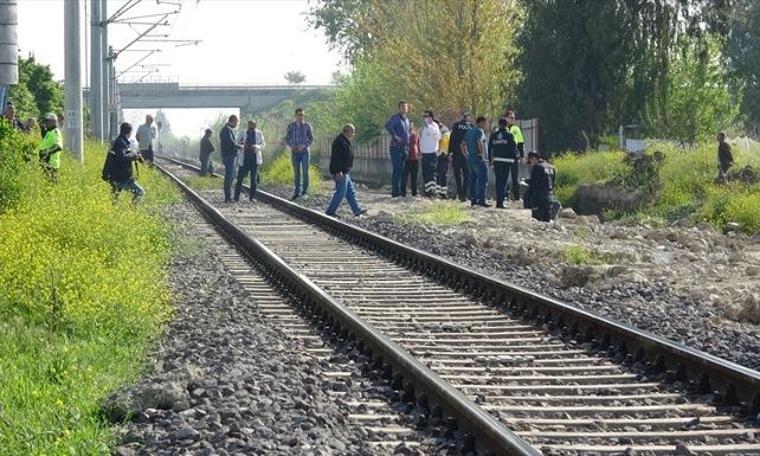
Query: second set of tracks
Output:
(523,372)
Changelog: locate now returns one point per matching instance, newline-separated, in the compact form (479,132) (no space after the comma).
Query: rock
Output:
(731,227)
(752,271)
(576,276)
(683,450)
(568,213)
(165,396)
(186,432)
(124,451)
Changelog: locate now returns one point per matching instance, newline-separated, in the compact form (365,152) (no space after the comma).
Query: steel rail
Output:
(734,384)
(419,379)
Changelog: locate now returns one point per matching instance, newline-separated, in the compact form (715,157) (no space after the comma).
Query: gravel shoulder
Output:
(691,284)
(224,381)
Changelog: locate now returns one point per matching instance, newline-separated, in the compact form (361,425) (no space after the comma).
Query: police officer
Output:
(503,159)
(540,194)
(520,142)
(458,158)
(51,146)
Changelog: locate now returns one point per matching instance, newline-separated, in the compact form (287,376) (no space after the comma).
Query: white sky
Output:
(243,42)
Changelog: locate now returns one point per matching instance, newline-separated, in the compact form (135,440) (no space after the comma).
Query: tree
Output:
(295,77)
(37,93)
(743,58)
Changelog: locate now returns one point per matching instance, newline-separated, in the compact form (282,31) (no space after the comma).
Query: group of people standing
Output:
(51,139)
(468,151)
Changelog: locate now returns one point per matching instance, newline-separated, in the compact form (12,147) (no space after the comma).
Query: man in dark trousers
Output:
(229,149)
(400,129)
(458,157)
(514,171)
(253,142)
(503,159)
(207,148)
(341,161)
(118,167)
(540,194)
(725,157)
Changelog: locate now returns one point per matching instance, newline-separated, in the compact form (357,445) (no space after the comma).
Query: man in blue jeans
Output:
(341,161)
(229,150)
(398,127)
(299,137)
(476,148)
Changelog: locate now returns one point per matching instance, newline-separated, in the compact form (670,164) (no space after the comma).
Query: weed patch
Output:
(580,255)
(279,171)
(443,213)
(204,182)
(83,290)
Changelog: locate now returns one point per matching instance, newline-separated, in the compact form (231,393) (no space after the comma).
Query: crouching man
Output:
(540,194)
(118,167)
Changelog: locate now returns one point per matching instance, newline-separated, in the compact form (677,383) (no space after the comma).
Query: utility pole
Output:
(96,71)
(105,81)
(8,49)
(72,88)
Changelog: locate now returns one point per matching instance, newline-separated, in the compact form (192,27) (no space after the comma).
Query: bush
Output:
(279,171)
(14,149)
(575,169)
(83,290)
(581,255)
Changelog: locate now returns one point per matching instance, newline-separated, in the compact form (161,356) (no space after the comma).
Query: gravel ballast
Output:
(667,281)
(225,381)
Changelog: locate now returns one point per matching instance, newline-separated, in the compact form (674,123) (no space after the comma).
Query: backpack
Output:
(108,167)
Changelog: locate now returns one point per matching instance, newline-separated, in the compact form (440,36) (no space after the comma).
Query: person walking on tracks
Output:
(725,157)
(118,166)
(399,127)
(51,146)
(514,171)
(146,135)
(412,163)
(341,161)
(503,160)
(207,148)
(429,139)
(476,147)
(299,137)
(252,145)
(458,155)
(229,149)
(540,194)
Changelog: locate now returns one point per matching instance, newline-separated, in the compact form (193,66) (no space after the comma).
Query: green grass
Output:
(443,213)
(686,190)
(203,182)
(83,292)
(279,171)
(580,255)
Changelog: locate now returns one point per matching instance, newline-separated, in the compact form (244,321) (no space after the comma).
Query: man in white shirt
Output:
(253,143)
(146,134)
(429,138)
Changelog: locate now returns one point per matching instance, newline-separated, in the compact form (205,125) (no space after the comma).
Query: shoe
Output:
(473,203)
(360,213)
(462,199)
(484,205)
(305,196)
(294,197)
(500,206)
(331,214)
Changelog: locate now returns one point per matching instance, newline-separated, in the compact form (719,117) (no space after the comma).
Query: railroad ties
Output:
(560,395)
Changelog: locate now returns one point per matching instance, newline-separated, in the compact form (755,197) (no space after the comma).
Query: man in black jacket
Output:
(725,157)
(207,148)
(503,150)
(341,161)
(458,159)
(118,167)
(540,194)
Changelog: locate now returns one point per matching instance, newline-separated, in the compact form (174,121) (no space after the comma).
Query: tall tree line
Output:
(678,69)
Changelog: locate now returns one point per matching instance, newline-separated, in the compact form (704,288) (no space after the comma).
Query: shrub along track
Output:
(562,379)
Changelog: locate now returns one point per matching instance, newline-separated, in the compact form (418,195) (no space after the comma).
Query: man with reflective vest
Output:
(503,159)
(51,146)
(515,169)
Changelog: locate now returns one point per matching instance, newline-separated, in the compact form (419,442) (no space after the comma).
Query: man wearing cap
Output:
(51,146)
(10,116)
(146,135)
(457,155)
(540,194)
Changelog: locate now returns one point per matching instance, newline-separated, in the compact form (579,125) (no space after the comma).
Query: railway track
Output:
(556,379)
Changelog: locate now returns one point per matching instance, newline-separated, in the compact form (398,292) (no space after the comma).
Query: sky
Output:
(243,42)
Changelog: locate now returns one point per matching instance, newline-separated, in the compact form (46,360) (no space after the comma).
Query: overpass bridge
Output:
(248,98)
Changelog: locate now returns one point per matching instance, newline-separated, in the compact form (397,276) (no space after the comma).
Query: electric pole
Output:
(72,87)
(96,71)
(8,49)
